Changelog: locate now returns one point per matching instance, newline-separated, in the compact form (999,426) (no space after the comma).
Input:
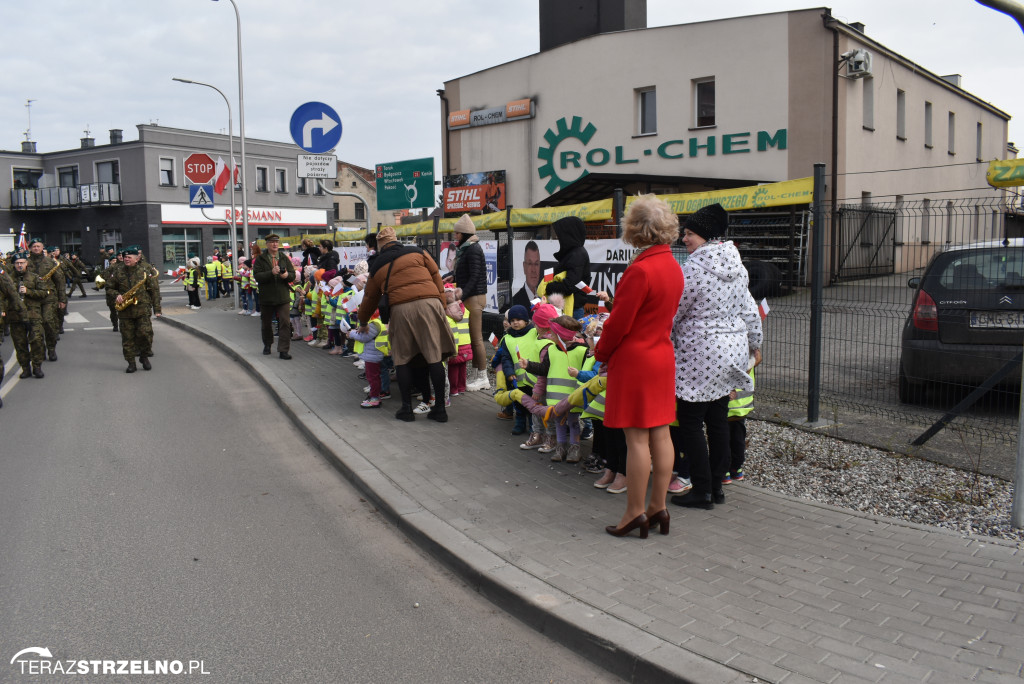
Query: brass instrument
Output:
(52,271)
(129,298)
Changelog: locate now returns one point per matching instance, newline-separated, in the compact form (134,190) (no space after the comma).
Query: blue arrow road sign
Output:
(315,127)
(200,196)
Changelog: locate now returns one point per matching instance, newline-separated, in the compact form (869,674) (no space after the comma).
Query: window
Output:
(360,211)
(901,115)
(70,241)
(978,142)
(261,179)
(108,172)
(704,97)
(318,189)
(928,125)
(337,212)
(926,222)
(353,184)
(647,111)
(951,134)
(302,187)
(865,198)
(166,171)
(280,182)
(67,176)
(869,102)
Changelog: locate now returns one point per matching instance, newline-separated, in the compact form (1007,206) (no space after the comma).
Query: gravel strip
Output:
(822,468)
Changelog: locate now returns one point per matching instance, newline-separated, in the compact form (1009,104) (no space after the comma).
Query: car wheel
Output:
(910,392)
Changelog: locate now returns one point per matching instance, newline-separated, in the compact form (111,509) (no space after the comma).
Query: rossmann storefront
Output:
(191,232)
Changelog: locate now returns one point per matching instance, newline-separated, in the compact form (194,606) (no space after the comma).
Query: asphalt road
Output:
(174,515)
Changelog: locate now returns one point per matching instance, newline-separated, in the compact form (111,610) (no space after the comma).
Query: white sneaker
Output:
(360,364)
(313,342)
(478,382)
(255,313)
(243,312)
(424,407)
(366,389)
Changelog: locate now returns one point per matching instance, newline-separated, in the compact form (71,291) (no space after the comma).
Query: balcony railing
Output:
(93,194)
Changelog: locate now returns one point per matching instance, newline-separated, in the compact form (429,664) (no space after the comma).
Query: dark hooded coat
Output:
(572,255)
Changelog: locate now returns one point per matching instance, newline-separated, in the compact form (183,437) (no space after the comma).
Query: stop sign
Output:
(198,168)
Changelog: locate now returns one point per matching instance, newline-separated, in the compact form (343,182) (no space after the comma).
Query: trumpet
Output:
(129,298)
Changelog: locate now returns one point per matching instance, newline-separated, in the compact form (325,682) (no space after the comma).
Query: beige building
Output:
(721,104)
(351,211)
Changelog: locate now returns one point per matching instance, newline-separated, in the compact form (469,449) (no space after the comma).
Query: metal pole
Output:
(231,181)
(241,133)
(817,294)
(1017,507)
(618,208)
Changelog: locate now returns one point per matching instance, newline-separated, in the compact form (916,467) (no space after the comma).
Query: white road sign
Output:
(317,166)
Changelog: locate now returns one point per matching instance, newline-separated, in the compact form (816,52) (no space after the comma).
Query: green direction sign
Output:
(405,184)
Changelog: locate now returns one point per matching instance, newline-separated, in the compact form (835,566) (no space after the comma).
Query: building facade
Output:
(720,104)
(135,192)
(351,211)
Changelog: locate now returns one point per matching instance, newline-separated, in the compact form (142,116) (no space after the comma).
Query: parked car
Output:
(966,321)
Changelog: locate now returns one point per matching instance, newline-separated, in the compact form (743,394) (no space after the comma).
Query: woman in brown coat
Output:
(417,330)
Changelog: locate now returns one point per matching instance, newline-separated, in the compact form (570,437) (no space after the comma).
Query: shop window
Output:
(166,171)
(647,111)
(108,172)
(280,182)
(868,102)
(901,114)
(261,179)
(67,176)
(704,100)
(928,125)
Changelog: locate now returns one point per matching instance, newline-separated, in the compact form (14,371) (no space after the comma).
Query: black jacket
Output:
(572,256)
(329,261)
(471,271)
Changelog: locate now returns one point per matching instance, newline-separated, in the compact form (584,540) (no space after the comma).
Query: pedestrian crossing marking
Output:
(75,317)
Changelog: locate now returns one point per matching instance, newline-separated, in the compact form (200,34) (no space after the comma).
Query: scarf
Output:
(472,239)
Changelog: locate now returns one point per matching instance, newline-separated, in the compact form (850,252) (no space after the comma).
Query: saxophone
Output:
(129,298)
(52,271)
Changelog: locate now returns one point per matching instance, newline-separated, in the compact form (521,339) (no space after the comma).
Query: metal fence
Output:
(871,252)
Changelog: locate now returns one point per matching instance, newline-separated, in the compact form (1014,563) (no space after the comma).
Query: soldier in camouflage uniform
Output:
(10,306)
(26,323)
(55,300)
(61,278)
(136,326)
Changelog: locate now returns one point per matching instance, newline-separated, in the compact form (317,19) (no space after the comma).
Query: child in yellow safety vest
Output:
(372,347)
(741,402)
(458,321)
(559,364)
(244,291)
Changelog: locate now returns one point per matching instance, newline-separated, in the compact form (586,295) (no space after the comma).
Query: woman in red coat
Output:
(636,347)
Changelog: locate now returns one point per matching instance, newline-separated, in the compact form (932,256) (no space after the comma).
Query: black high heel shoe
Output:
(639,521)
(661,518)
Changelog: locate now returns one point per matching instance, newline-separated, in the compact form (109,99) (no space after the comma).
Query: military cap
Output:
(131,249)
(35,240)
(273,237)
(20,255)
(54,248)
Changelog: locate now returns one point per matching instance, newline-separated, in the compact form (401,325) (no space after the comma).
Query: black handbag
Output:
(382,304)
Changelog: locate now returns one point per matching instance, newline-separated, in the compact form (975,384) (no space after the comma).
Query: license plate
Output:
(997,319)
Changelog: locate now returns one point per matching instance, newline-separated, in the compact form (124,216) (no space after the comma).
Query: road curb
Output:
(624,649)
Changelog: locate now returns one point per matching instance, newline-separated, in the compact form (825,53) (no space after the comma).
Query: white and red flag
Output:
(222,175)
(762,308)
(549,275)
(493,339)
(22,239)
(584,288)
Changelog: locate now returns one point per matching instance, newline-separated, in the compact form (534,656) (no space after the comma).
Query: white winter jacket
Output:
(717,326)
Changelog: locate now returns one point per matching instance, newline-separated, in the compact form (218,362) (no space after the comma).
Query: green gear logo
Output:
(759,198)
(563,131)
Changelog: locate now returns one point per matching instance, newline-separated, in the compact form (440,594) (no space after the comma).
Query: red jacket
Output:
(636,345)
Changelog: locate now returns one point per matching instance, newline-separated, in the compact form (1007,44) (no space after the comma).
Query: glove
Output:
(516,395)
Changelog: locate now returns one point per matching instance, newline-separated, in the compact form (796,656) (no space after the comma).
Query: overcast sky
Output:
(107,64)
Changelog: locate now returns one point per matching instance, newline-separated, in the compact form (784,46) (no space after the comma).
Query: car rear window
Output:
(984,269)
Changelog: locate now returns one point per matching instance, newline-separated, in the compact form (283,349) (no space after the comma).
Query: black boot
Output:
(146,365)
(37,371)
(131,367)
(694,499)
(52,355)
(405,413)
(26,372)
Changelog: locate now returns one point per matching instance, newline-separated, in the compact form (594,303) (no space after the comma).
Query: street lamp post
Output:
(231,180)
(241,131)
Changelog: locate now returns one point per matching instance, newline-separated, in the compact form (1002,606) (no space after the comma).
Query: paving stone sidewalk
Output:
(764,586)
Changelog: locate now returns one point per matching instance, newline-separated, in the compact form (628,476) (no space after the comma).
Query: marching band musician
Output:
(26,324)
(56,298)
(135,280)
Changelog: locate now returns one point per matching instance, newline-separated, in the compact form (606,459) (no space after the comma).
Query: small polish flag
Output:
(170,272)
(535,301)
(584,288)
(22,240)
(518,357)
(549,275)
(763,309)
(222,176)
(602,307)
(493,339)
(337,289)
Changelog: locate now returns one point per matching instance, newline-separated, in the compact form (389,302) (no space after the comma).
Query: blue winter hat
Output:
(518,313)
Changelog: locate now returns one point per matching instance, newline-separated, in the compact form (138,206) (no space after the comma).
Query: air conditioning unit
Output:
(858,65)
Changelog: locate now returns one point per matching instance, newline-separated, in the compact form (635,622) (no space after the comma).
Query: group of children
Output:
(549,378)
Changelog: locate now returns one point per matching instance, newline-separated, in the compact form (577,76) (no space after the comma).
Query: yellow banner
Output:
(798,191)
(1005,173)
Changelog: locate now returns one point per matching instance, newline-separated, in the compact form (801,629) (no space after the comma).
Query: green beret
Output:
(20,255)
(35,240)
(131,249)
(52,249)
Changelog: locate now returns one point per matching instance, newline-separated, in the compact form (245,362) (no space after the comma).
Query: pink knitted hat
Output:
(543,314)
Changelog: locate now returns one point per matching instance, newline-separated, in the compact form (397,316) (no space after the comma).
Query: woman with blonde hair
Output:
(635,344)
